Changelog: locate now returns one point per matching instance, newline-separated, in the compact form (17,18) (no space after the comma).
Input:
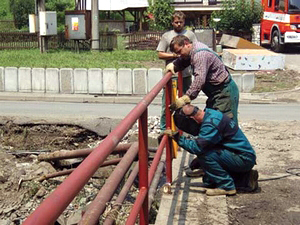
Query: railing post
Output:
(169,157)
(143,164)
(180,84)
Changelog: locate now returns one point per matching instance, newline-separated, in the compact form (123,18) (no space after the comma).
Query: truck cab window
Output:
(294,5)
(270,3)
(281,5)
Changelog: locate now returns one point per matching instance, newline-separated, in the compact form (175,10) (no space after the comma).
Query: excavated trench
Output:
(21,192)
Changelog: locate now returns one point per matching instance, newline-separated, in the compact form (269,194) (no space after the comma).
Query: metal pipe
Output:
(143,164)
(180,84)
(168,125)
(137,205)
(157,158)
(59,199)
(121,197)
(155,181)
(98,205)
(120,148)
(67,172)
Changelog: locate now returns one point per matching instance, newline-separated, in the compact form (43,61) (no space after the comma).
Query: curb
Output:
(245,98)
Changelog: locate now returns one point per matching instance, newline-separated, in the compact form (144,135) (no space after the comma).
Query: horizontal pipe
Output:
(137,206)
(98,205)
(70,154)
(61,197)
(67,172)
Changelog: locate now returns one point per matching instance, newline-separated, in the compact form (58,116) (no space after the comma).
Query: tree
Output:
(20,10)
(160,14)
(237,15)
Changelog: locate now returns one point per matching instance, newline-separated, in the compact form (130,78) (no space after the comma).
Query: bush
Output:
(160,15)
(237,15)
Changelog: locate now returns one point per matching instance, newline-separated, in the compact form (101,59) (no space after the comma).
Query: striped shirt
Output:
(207,68)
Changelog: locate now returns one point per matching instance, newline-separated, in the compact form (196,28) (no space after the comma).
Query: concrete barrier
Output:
(110,81)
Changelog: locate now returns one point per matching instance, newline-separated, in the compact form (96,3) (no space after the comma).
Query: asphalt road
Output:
(44,110)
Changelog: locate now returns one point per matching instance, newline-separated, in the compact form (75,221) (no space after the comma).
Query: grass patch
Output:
(278,80)
(85,59)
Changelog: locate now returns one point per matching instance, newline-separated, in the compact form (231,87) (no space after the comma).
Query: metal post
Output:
(168,125)
(95,25)
(143,164)
(180,84)
(43,41)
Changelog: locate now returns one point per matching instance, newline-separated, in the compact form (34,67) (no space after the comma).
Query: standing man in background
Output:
(163,48)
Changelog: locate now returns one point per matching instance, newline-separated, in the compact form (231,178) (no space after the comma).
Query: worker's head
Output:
(193,112)
(178,19)
(181,45)
(186,120)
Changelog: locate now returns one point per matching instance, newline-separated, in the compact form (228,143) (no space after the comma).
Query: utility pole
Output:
(95,25)
(43,41)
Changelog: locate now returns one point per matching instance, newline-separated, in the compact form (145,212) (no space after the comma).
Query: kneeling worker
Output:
(223,151)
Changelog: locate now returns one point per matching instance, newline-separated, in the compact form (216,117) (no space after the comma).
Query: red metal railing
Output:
(55,203)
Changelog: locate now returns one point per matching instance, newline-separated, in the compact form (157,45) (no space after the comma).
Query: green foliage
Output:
(20,10)
(4,10)
(237,15)
(162,12)
(60,6)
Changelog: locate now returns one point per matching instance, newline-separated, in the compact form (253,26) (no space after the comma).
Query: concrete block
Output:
(66,80)
(11,79)
(252,59)
(206,36)
(248,82)
(80,80)
(110,81)
(1,78)
(95,81)
(52,80)
(140,81)
(238,80)
(154,76)
(38,80)
(237,42)
(25,84)
(125,81)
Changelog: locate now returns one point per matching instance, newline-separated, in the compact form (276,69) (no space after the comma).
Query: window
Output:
(270,3)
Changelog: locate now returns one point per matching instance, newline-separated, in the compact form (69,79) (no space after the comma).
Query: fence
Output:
(143,40)
(26,40)
(58,200)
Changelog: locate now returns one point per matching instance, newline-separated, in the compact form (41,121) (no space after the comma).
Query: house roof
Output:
(116,5)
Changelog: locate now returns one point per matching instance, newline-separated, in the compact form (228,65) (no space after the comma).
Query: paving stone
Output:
(238,80)
(154,76)
(66,81)
(124,81)
(1,78)
(139,81)
(24,77)
(80,80)
(248,82)
(109,81)
(95,81)
(52,80)
(38,80)
(11,79)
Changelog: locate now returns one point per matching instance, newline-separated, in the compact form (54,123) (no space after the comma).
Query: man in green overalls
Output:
(210,76)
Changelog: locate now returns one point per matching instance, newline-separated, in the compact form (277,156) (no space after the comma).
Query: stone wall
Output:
(108,81)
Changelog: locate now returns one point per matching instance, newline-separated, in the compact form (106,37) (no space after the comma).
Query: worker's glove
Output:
(195,164)
(179,102)
(172,134)
(170,67)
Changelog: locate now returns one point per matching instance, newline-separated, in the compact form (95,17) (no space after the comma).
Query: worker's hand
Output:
(170,67)
(172,134)
(179,102)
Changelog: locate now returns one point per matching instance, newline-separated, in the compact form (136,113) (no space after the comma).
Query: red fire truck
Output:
(280,25)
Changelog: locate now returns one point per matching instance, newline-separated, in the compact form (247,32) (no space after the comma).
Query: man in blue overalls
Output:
(222,149)
(210,75)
